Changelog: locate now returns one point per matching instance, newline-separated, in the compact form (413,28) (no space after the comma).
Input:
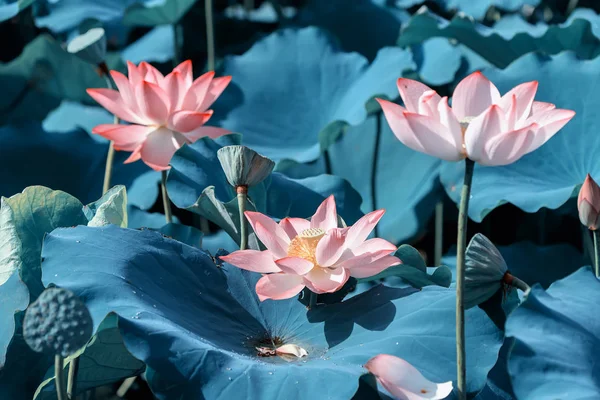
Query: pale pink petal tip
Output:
(588,203)
(403,381)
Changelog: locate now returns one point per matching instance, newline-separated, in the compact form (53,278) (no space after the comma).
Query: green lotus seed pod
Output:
(484,271)
(244,166)
(90,46)
(57,322)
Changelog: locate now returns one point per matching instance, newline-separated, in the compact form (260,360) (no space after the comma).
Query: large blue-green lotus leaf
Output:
(432,53)
(14,297)
(12,8)
(35,82)
(296,103)
(157,45)
(72,162)
(72,115)
(557,335)
(220,240)
(551,175)
(140,219)
(144,190)
(511,37)
(197,182)
(476,9)
(405,182)
(151,13)
(197,325)
(365,26)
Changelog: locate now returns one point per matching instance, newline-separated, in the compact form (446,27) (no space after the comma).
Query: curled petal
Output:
(291,350)
(205,131)
(153,102)
(125,137)
(159,147)
(279,286)
(294,226)
(411,91)
(294,265)
(482,129)
(473,95)
(361,230)
(269,233)
(135,156)
(523,95)
(404,381)
(428,104)
(394,114)
(112,101)
(435,138)
(326,215)
(252,260)
(508,147)
(196,93)
(217,86)
(330,247)
(187,121)
(375,267)
(549,122)
(326,280)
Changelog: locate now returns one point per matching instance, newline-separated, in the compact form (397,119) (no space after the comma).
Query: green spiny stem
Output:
(439,233)
(72,378)
(242,193)
(463,216)
(210,34)
(59,378)
(165,198)
(596,254)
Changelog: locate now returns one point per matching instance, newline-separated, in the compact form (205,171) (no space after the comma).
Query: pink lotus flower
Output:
(481,125)
(164,111)
(404,381)
(314,254)
(588,203)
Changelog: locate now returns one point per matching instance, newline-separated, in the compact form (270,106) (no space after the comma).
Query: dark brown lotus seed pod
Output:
(57,322)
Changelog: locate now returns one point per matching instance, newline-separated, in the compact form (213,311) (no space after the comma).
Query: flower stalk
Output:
(463,215)
(72,378)
(210,34)
(110,156)
(59,378)
(242,195)
(165,197)
(439,233)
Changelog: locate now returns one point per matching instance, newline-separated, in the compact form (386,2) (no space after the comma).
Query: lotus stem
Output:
(242,194)
(165,198)
(111,148)
(513,281)
(596,254)
(439,233)
(463,215)
(125,386)
(72,378)
(327,160)
(59,378)
(210,34)
(312,302)
(374,167)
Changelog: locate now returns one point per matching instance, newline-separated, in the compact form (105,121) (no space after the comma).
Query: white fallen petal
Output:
(291,350)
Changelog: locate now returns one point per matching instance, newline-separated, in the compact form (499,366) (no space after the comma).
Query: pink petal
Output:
(411,91)
(205,131)
(326,215)
(508,147)
(482,129)
(588,203)
(428,104)
(448,119)
(125,137)
(185,69)
(294,265)
(187,121)
(511,113)
(112,101)
(269,233)
(330,247)
(194,96)
(375,246)
(294,226)
(135,156)
(327,280)
(150,74)
(153,102)
(404,381)
(550,122)
(540,106)
(394,114)
(135,77)
(473,95)
(159,147)
(175,89)
(252,260)
(374,267)
(351,261)
(279,286)
(291,350)
(435,138)
(362,228)
(217,86)
(524,95)
(127,93)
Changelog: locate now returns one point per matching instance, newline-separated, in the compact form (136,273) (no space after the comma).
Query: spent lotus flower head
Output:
(165,112)
(588,203)
(314,254)
(481,124)
(403,381)
(243,166)
(89,46)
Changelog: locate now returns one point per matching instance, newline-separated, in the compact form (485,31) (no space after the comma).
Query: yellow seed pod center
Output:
(305,244)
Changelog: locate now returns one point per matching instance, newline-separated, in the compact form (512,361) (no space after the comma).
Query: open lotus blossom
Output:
(164,111)
(588,203)
(404,381)
(314,254)
(482,125)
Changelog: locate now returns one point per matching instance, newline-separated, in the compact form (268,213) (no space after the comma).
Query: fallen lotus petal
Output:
(165,112)
(291,350)
(481,125)
(404,381)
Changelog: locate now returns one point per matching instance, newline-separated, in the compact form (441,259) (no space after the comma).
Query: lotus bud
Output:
(486,272)
(57,322)
(243,166)
(90,46)
(588,203)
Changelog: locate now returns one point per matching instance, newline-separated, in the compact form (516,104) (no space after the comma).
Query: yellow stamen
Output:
(305,244)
